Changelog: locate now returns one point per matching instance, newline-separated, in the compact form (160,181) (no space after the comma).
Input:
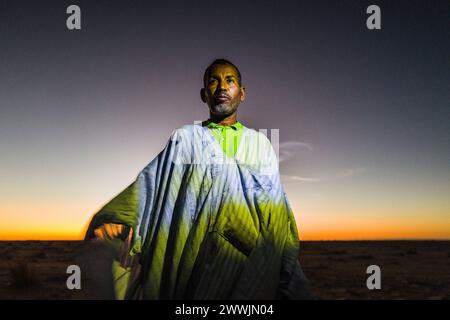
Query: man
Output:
(208,217)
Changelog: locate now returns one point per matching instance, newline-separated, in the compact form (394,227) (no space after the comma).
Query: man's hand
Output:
(110,231)
(109,243)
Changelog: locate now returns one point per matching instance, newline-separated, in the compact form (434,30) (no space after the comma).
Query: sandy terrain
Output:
(409,269)
(337,269)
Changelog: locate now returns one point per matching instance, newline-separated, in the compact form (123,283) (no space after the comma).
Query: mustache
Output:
(222,94)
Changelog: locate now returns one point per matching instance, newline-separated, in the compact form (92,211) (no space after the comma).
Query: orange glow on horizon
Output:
(68,220)
(323,235)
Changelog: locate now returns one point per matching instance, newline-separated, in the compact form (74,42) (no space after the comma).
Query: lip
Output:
(222,98)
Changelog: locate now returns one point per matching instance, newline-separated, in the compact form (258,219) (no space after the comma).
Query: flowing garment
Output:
(204,225)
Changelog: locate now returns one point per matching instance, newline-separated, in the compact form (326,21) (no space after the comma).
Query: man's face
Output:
(222,91)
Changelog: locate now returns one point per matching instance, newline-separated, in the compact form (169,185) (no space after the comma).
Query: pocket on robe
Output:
(217,269)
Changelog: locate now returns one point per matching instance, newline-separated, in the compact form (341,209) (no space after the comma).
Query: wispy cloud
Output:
(289,149)
(290,178)
(350,172)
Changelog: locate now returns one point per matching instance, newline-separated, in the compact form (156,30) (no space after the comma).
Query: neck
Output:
(223,120)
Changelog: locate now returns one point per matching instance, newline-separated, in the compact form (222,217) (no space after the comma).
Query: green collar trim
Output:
(237,125)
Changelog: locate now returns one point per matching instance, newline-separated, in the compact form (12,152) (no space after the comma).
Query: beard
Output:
(223,109)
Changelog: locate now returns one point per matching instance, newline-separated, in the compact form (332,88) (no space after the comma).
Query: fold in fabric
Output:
(202,225)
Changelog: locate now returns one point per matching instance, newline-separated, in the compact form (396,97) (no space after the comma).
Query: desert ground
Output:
(336,269)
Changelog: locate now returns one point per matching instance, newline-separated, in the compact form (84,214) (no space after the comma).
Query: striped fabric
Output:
(205,225)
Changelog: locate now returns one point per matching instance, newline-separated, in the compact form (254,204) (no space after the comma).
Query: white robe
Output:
(208,226)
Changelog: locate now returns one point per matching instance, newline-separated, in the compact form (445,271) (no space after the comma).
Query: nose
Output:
(223,86)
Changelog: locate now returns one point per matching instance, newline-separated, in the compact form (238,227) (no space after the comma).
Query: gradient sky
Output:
(363,115)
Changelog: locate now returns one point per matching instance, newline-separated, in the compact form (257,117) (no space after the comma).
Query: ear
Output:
(203,95)
(243,93)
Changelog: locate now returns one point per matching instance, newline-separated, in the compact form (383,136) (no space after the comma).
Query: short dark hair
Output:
(221,62)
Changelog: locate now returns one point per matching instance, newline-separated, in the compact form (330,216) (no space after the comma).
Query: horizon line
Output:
(307,240)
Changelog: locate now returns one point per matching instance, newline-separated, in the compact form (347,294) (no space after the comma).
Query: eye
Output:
(230,81)
(212,80)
